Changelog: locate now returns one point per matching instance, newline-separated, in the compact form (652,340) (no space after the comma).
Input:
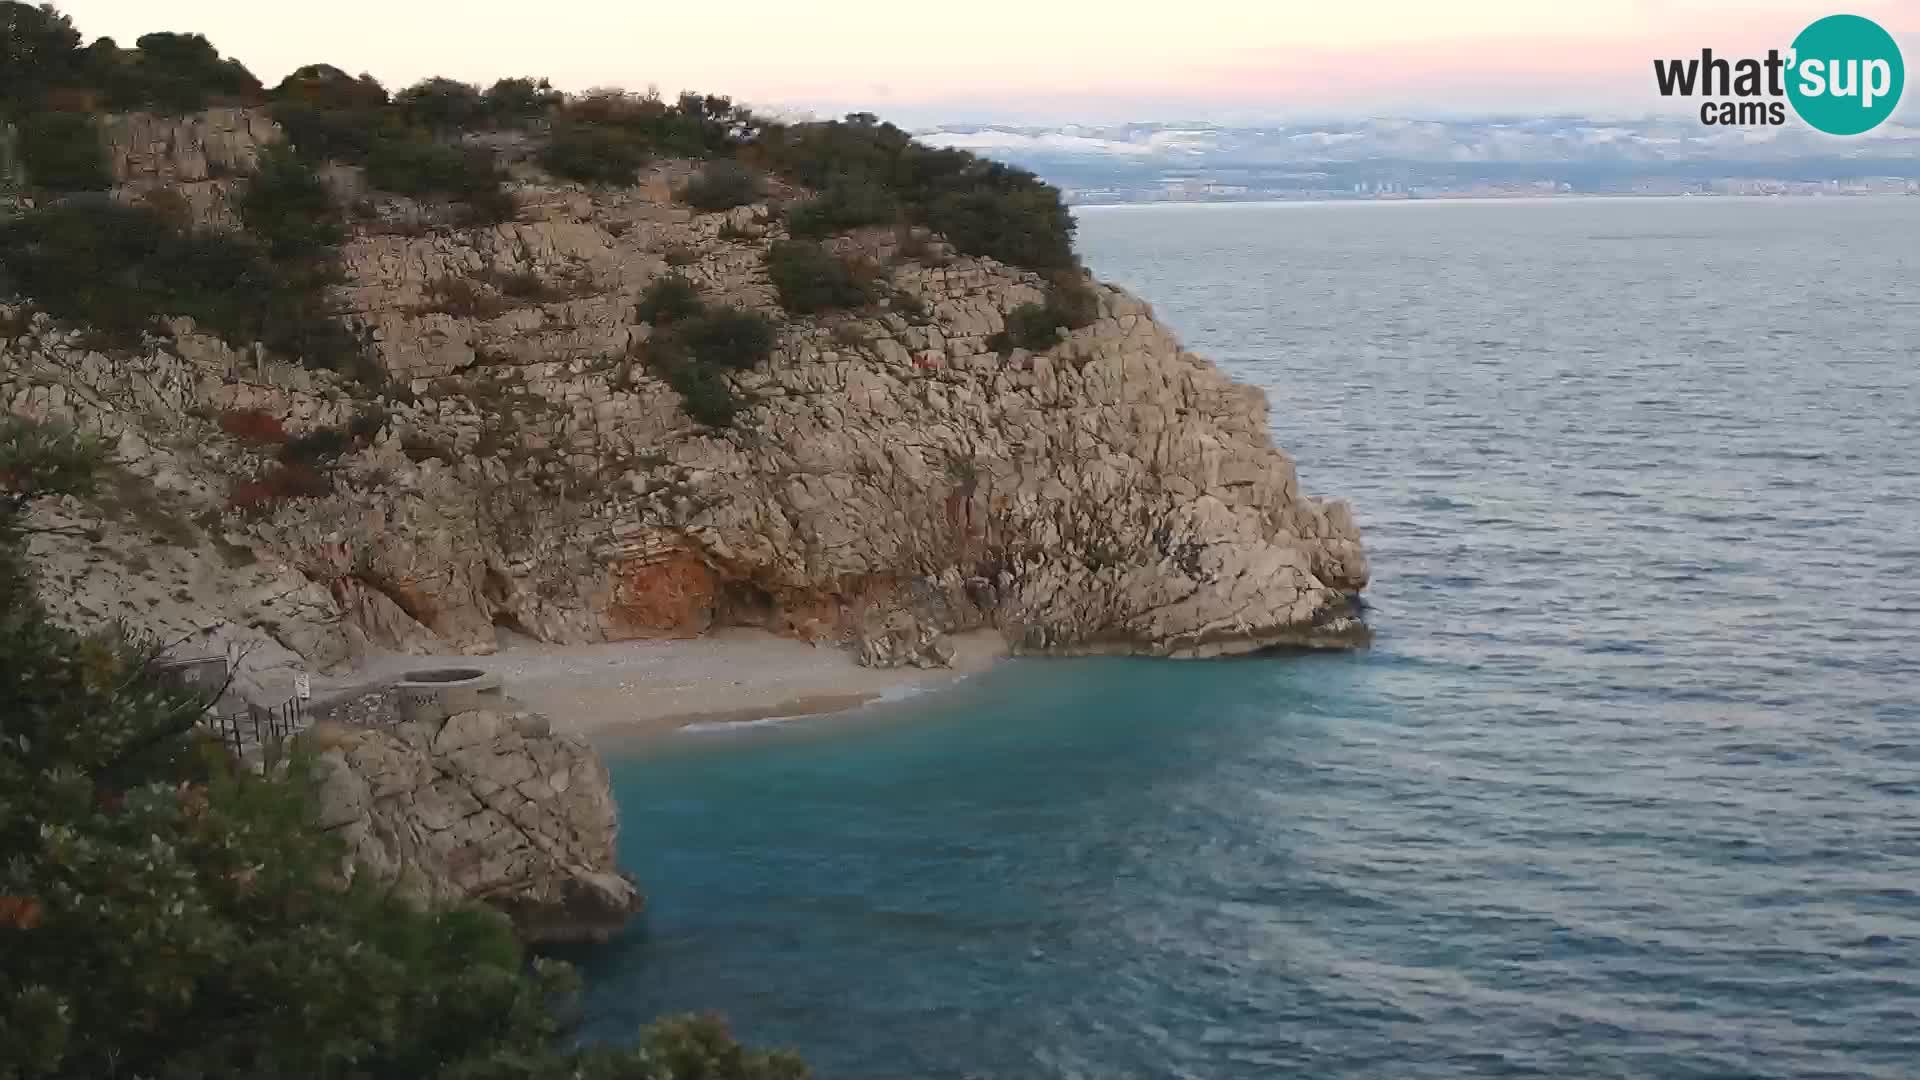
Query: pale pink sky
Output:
(1023,59)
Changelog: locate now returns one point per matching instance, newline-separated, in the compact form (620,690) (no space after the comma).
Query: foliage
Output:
(848,202)
(722,185)
(168,73)
(441,104)
(693,348)
(694,125)
(983,207)
(118,269)
(165,913)
(323,86)
(39,50)
(321,133)
(427,169)
(728,338)
(1024,226)
(668,298)
(288,207)
(811,279)
(704,391)
(511,101)
(591,154)
(1070,303)
(63,152)
(38,460)
(1029,326)
(321,446)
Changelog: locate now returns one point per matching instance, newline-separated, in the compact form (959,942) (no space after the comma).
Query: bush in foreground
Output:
(166,913)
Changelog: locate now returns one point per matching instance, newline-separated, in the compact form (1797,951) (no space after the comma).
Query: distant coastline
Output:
(1457,197)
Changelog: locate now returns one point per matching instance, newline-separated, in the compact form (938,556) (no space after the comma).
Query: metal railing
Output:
(256,726)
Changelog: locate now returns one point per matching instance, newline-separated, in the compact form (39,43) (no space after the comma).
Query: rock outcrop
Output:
(1114,493)
(489,807)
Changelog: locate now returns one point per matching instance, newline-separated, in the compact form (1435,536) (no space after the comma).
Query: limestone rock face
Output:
(1114,493)
(488,807)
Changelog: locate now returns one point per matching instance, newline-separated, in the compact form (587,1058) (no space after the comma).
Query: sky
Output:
(1032,61)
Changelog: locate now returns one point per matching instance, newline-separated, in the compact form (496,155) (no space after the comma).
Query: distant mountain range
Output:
(1410,158)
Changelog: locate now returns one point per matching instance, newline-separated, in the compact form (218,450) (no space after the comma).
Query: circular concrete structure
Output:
(430,695)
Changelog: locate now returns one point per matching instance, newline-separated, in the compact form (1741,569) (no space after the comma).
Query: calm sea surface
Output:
(1628,787)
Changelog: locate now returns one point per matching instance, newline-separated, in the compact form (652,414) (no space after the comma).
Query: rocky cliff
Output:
(485,806)
(894,476)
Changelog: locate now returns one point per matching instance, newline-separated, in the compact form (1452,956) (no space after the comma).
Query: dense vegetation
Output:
(63,152)
(166,913)
(593,155)
(722,185)
(694,346)
(116,270)
(1070,304)
(810,279)
(982,207)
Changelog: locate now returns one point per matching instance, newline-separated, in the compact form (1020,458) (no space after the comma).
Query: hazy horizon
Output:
(1001,62)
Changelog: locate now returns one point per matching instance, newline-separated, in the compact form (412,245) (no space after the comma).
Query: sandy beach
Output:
(642,688)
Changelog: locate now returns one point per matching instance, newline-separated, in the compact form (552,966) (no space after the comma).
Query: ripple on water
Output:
(1627,787)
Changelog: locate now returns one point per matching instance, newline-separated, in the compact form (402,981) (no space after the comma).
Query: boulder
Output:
(487,808)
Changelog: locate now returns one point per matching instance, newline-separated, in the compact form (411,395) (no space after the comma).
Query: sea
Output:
(1627,786)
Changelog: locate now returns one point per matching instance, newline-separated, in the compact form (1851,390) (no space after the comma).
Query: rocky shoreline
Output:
(898,479)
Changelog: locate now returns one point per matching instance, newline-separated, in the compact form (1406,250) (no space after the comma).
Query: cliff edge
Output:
(896,470)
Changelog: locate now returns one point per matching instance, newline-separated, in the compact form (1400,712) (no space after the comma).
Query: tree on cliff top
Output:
(164,912)
(39,50)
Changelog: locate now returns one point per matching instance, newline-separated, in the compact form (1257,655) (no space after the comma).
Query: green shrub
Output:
(704,392)
(722,185)
(1024,227)
(172,74)
(1029,326)
(288,207)
(668,299)
(323,86)
(319,447)
(728,338)
(848,202)
(694,126)
(811,279)
(591,154)
(331,134)
(443,105)
(511,102)
(1071,304)
(426,169)
(117,269)
(39,50)
(167,912)
(63,152)
(983,207)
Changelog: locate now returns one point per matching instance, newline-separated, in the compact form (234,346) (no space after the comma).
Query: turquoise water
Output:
(1628,787)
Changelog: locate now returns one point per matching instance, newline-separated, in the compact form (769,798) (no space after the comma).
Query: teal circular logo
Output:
(1847,75)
